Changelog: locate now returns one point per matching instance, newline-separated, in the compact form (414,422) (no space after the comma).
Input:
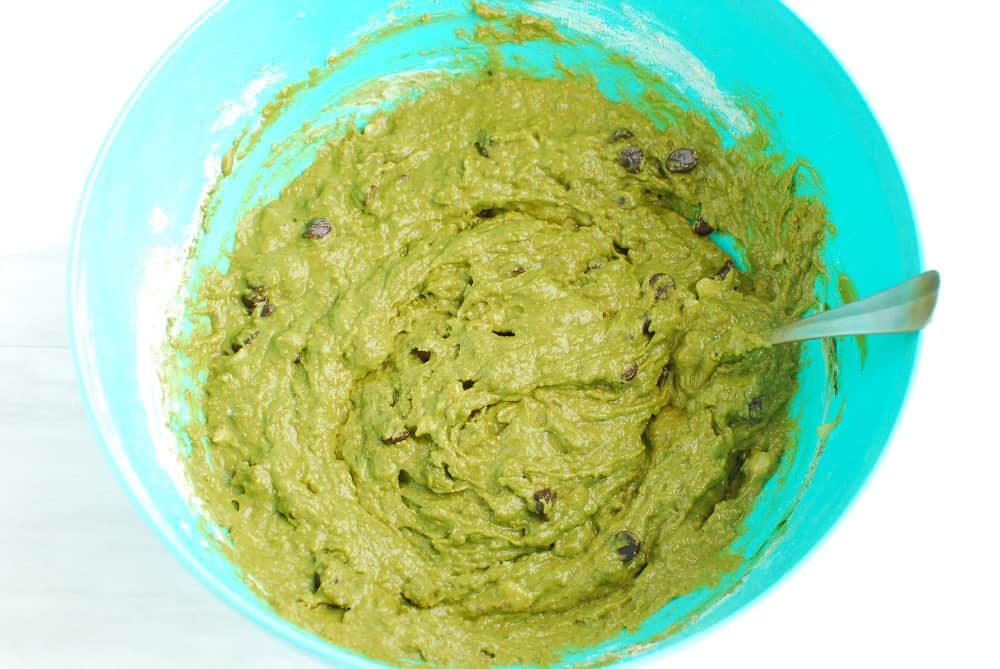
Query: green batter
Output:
(480,387)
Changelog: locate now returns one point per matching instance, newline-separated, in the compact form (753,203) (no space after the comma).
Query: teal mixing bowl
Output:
(142,206)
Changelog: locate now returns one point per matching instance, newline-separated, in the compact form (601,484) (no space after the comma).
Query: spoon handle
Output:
(903,308)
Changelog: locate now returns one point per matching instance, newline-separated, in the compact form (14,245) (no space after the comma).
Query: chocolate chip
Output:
(628,545)
(467,384)
(682,161)
(490,212)
(647,324)
(399,438)
(318,229)
(703,228)
(631,159)
(503,333)
(238,346)
(630,372)
(544,499)
(251,299)
(267,309)
(665,374)
(482,144)
(726,269)
(662,286)
(317,582)
(755,410)
(422,356)
(622,134)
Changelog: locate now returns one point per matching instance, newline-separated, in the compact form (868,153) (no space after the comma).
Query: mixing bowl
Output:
(171,148)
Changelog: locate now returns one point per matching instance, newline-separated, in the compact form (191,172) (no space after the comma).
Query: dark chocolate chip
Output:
(490,212)
(503,333)
(317,582)
(251,299)
(467,384)
(544,499)
(662,286)
(682,161)
(628,545)
(622,135)
(318,229)
(422,356)
(399,438)
(703,228)
(238,346)
(647,325)
(630,372)
(755,410)
(631,159)
(267,309)
(726,269)
(665,374)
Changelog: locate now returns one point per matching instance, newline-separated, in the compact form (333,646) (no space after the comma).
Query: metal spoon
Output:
(903,308)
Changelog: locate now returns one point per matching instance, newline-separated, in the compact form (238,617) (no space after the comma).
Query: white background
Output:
(909,578)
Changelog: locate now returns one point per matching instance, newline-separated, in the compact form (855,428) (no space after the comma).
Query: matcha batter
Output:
(480,387)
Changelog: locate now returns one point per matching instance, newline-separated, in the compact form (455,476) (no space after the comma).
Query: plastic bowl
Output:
(140,209)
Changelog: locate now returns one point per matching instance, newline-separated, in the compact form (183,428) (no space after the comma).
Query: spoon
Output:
(903,308)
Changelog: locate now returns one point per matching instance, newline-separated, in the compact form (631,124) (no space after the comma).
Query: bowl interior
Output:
(142,207)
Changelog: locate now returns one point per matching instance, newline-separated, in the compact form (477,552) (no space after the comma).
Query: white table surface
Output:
(909,578)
